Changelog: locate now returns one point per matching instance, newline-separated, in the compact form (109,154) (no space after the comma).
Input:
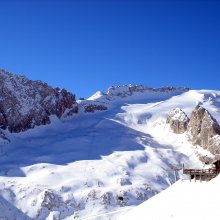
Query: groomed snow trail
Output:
(183,200)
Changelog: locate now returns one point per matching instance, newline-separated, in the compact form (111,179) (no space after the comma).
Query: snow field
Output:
(86,162)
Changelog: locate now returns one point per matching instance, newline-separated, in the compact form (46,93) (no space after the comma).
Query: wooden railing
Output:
(202,174)
(200,171)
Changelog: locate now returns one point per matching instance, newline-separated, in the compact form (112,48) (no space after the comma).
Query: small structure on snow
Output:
(204,174)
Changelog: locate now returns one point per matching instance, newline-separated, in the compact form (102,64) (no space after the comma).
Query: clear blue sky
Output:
(85,46)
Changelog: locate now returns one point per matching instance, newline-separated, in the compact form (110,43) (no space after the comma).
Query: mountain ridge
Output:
(97,162)
(26,103)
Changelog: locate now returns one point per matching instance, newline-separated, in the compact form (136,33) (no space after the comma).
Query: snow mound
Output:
(178,114)
(183,200)
(97,95)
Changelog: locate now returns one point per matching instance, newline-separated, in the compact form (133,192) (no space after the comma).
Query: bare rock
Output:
(26,103)
(106,199)
(130,89)
(92,195)
(178,120)
(204,130)
(94,107)
(51,200)
(141,196)
(123,181)
(214,145)
(52,206)
(122,198)
(3,136)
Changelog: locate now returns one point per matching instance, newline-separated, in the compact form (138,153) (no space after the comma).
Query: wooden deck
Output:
(201,174)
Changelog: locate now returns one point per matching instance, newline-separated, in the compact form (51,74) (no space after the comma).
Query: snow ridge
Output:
(130,89)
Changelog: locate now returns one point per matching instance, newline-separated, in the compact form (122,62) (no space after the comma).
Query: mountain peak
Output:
(25,103)
(130,89)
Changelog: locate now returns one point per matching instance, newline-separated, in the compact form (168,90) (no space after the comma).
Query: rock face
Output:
(214,145)
(52,204)
(130,89)
(204,130)
(178,120)
(25,103)
(93,107)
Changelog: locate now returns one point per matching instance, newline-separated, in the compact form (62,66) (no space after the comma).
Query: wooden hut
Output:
(203,174)
(216,164)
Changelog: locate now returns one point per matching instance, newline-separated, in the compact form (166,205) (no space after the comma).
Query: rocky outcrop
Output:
(130,89)
(204,130)
(93,107)
(214,145)
(53,206)
(178,120)
(3,137)
(25,103)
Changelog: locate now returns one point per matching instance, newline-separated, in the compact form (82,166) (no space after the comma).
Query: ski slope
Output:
(80,166)
(183,200)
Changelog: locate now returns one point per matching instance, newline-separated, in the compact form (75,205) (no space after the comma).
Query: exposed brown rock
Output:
(204,130)
(214,145)
(130,89)
(25,103)
(178,120)
(93,107)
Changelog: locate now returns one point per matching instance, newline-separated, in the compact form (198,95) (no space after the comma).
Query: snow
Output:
(87,161)
(8,211)
(216,139)
(97,95)
(178,114)
(183,200)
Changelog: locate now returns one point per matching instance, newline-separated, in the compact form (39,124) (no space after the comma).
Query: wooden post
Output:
(174,170)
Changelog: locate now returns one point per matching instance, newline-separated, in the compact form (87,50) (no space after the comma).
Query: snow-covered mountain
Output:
(26,103)
(115,153)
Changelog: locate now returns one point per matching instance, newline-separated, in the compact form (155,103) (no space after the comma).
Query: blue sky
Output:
(85,46)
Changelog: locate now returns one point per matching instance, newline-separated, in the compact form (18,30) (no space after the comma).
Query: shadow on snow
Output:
(81,137)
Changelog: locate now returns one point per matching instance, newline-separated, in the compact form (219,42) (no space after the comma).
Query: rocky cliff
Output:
(25,103)
(178,120)
(130,89)
(204,130)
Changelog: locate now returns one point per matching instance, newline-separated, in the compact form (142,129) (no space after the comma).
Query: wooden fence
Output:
(201,174)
